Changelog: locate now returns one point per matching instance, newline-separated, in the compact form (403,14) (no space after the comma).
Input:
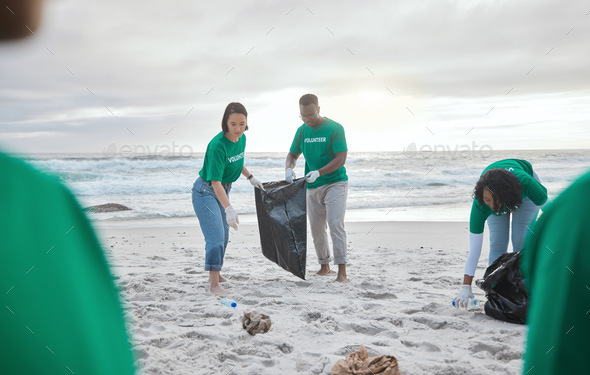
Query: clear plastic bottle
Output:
(472,304)
(228,302)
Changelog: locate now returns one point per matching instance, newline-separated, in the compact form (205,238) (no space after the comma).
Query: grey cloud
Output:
(151,55)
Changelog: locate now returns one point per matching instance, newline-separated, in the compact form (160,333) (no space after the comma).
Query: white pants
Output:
(327,205)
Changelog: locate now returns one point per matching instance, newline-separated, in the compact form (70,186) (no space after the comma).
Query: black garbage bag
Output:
(503,283)
(282,224)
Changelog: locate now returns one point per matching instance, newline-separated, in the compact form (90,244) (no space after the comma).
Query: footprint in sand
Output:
(430,322)
(507,355)
(190,270)
(238,277)
(490,347)
(303,283)
(368,285)
(366,329)
(268,362)
(374,295)
(155,257)
(285,348)
(160,342)
(251,302)
(348,349)
(422,345)
(311,316)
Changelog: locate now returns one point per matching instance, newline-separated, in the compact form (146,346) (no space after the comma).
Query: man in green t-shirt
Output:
(556,267)
(323,144)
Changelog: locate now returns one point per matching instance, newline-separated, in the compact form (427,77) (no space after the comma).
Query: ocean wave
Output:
(160,186)
(115,165)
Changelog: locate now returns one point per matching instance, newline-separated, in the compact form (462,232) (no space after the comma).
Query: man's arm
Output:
(291,160)
(337,162)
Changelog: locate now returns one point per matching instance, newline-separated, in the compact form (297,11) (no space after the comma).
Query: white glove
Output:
(231,217)
(312,176)
(289,175)
(463,297)
(256,183)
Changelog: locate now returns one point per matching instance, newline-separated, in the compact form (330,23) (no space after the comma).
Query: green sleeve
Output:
(216,164)
(338,140)
(61,310)
(556,266)
(296,145)
(478,217)
(532,189)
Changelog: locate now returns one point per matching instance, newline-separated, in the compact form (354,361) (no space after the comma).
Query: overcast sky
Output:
(107,74)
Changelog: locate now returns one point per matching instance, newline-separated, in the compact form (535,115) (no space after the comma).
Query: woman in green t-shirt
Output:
(223,164)
(507,188)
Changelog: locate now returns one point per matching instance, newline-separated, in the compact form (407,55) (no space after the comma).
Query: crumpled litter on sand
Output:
(255,322)
(359,363)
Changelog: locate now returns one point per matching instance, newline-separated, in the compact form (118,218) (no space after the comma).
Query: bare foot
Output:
(219,291)
(221,279)
(341,278)
(324,270)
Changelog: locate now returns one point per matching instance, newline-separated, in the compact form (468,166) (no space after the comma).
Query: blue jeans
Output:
(211,215)
(522,221)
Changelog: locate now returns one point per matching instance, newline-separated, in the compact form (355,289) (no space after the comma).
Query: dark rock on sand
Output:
(109,207)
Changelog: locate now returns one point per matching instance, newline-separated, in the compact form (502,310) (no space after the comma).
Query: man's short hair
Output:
(308,99)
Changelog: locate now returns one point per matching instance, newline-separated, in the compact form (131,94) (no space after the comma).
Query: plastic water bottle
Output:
(472,304)
(228,302)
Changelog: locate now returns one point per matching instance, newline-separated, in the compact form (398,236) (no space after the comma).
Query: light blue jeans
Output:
(522,222)
(211,215)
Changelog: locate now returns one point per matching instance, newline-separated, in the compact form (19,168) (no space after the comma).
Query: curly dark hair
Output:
(505,188)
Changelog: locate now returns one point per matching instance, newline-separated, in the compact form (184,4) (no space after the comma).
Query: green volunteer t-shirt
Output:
(555,264)
(224,160)
(61,312)
(531,189)
(318,145)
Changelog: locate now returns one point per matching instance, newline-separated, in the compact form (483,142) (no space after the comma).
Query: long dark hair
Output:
(505,188)
(233,107)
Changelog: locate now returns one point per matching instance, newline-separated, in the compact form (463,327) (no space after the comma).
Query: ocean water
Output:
(414,185)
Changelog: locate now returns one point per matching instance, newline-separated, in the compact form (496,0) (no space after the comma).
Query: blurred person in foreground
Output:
(508,192)
(61,310)
(556,268)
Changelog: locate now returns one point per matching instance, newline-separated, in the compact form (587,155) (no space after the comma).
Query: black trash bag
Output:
(282,224)
(503,283)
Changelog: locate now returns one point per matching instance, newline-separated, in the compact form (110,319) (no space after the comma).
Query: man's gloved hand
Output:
(312,176)
(463,297)
(231,217)
(289,175)
(256,183)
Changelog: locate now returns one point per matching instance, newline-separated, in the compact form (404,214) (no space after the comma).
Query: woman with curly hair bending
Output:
(507,188)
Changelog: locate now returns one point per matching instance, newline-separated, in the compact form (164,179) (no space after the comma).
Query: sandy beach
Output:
(403,277)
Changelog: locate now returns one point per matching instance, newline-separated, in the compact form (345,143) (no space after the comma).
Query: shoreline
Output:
(443,213)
